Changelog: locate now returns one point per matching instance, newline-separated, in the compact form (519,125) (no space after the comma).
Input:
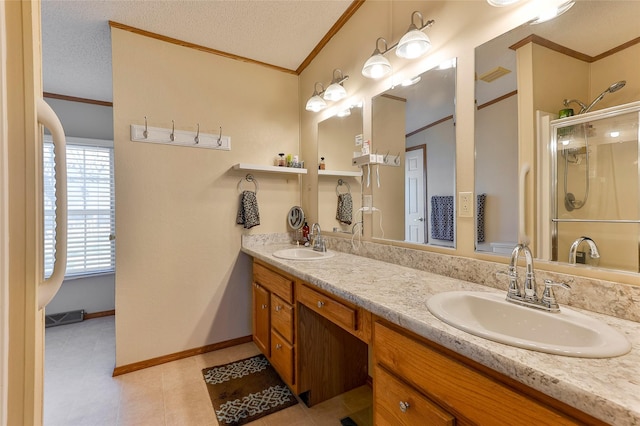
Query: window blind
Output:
(91,209)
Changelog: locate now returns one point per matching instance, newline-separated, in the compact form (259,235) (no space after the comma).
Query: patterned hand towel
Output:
(442,217)
(248,214)
(345,208)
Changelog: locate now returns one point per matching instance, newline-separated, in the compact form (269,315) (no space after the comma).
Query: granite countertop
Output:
(608,389)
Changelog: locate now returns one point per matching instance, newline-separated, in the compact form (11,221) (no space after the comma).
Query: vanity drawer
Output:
(399,404)
(282,317)
(330,308)
(282,357)
(274,282)
(459,388)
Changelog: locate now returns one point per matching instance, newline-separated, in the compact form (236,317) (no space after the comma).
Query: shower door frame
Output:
(554,125)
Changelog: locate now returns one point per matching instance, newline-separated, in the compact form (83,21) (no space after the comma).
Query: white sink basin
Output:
(568,333)
(302,254)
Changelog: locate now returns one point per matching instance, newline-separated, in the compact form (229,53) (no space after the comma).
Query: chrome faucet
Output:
(528,296)
(573,251)
(318,241)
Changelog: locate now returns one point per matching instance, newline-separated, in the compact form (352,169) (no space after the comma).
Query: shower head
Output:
(613,88)
(616,86)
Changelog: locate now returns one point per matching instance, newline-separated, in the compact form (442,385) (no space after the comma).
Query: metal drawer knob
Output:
(278,346)
(278,308)
(263,306)
(404,406)
(320,304)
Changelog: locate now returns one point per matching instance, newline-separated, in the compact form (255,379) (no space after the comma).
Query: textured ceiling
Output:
(76,40)
(590,27)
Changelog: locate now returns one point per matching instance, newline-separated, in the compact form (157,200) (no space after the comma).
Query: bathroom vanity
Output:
(316,319)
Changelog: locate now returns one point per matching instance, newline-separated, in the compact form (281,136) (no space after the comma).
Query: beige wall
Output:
(496,151)
(388,136)
(336,141)
(181,281)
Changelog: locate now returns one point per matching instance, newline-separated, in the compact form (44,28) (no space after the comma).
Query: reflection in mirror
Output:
(576,57)
(496,147)
(414,196)
(339,189)
(596,173)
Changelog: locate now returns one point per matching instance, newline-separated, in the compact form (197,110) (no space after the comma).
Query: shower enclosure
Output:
(595,188)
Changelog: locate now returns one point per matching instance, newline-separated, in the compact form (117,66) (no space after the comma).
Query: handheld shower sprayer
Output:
(586,108)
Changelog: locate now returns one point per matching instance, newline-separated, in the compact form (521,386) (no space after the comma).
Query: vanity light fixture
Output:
(315,102)
(377,66)
(411,81)
(501,3)
(614,134)
(413,44)
(552,12)
(344,113)
(336,91)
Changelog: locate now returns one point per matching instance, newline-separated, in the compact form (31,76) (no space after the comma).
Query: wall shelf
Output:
(343,173)
(269,169)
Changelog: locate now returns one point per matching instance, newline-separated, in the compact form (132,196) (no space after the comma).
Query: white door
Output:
(414,182)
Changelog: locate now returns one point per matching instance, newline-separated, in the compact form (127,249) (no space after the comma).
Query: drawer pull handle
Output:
(278,346)
(404,406)
(278,308)
(263,306)
(320,304)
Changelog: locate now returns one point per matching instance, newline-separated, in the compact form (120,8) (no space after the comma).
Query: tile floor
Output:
(79,389)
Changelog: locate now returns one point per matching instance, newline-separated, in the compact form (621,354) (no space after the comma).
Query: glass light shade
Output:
(315,103)
(413,44)
(335,92)
(377,66)
(550,13)
(501,3)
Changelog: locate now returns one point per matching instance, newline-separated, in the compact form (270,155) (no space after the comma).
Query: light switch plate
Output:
(465,204)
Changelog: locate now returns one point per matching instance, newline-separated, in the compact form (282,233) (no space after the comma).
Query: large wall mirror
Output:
(339,189)
(584,60)
(413,124)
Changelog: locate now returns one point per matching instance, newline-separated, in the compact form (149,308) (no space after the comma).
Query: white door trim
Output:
(4,227)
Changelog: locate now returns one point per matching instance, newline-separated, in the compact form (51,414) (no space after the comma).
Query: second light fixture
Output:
(413,44)
(334,92)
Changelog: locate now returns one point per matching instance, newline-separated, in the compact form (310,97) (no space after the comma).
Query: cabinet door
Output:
(261,325)
(399,404)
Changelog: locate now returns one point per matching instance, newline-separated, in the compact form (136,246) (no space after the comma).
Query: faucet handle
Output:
(548,298)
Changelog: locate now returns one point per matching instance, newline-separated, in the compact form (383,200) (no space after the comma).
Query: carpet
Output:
(246,390)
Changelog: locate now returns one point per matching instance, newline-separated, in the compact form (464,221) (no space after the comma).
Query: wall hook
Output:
(172,136)
(146,129)
(197,138)
(220,137)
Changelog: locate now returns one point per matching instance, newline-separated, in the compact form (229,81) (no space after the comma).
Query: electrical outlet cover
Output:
(465,205)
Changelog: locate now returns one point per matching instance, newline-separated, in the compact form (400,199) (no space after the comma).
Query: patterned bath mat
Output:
(246,390)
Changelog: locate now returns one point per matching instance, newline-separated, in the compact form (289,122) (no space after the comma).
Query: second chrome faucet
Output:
(528,295)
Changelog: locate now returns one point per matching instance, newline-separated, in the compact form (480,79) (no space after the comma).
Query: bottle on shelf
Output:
(281,161)
(322,164)
(305,232)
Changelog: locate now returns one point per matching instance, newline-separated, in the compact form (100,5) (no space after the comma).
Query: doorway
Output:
(415,184)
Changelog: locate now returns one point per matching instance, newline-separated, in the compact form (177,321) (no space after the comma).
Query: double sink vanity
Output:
(330,323)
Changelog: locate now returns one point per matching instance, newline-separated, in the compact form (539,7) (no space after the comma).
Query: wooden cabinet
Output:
(434,381)
(261,324)
(274,319)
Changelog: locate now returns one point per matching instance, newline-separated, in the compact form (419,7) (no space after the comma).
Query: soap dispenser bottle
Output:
(305,232)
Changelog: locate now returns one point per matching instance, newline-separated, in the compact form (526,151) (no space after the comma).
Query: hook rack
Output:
(249,178)
(171,136)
